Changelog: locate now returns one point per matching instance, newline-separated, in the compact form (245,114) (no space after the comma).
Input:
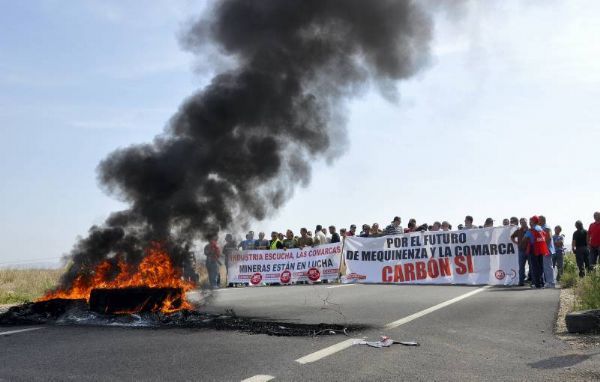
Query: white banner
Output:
(285,266)
(478,256)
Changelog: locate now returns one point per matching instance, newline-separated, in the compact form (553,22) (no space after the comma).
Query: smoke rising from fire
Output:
(235,150)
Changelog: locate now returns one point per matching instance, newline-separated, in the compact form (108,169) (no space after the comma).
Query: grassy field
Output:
(21,285)
(586,289)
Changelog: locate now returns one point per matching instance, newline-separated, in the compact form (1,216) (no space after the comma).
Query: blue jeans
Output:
(212,267)
(548,271)
(522,261)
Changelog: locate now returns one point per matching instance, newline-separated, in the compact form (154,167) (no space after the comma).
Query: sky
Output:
(503,120)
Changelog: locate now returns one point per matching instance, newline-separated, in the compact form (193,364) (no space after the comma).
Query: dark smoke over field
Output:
(236,149)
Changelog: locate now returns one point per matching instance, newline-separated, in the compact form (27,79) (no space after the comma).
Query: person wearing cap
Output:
(352,230)
(395,228)
(489,222)
(537,248)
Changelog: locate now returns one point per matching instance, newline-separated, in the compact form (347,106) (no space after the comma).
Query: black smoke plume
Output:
(235,150)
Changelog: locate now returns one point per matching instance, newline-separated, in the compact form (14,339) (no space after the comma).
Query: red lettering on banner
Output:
(461,268)
(398,275)
(421,270)
(444,266)
(432,268)
(470,263)
(386,277)
(409,272)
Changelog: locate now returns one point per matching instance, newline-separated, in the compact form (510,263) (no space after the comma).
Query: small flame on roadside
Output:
(155,271)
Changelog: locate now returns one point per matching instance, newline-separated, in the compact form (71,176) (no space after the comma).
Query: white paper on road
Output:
(474,257)
(285,266)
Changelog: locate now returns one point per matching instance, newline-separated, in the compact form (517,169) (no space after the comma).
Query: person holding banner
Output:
(304,240)
(275,243)
(395,228)
(289,242)
(517,238)
(261,243)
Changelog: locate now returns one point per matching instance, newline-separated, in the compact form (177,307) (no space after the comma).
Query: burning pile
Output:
(116,286)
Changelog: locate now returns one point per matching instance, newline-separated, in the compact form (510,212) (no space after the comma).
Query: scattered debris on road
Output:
(77,312)
(385,342)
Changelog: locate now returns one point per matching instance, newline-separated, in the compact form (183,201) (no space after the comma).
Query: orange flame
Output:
(155,271)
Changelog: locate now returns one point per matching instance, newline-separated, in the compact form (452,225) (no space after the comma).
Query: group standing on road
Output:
(539,247)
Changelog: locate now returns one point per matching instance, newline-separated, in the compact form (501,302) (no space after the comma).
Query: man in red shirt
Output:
(594,239)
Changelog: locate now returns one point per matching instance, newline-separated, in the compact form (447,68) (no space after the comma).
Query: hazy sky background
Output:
(503,121)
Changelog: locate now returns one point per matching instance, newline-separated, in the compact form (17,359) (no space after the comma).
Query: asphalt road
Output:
(465,333)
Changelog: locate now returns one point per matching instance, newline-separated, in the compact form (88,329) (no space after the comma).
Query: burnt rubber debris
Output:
(78,312)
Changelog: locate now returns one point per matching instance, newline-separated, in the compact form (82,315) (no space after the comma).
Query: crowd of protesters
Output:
(539,247)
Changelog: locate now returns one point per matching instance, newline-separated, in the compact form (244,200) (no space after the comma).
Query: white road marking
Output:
(18,331)
(326,352)
(441,305)
(339,286)
(346,344)
(259,378)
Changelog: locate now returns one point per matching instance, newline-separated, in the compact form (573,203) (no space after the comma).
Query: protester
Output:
(469,223)
(489,223)
(395,228)
(275,243)
(335,237)
(436,226)
(261,243)
(366,231)
(319,237)
(461,227)
(517,238)
(327,238)
(352,230)
(289,241)
(375,231)
(594,240)
(281,236)
(446,226)
(505,222)
(514,221)
(343,233)
(228,249)
(580,248)
(559,251)
(548,270)
(412,226)
(248,244)
(213,262)
(304,240)
(536,239)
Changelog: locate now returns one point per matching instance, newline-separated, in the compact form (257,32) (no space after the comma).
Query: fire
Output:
(155,271)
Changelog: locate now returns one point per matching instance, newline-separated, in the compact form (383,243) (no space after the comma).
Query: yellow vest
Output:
(274,243)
